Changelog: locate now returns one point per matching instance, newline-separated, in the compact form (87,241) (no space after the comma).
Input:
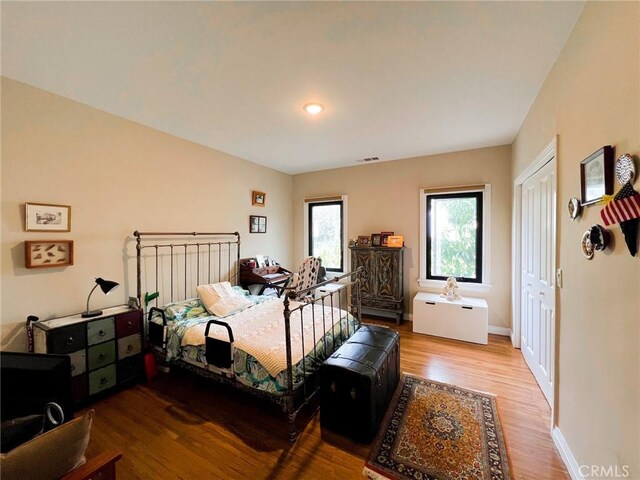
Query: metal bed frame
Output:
(207,253)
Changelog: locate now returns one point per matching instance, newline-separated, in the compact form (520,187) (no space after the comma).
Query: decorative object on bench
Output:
(358,381)
(450,290)
(435,430)
(272,349)
(382,290)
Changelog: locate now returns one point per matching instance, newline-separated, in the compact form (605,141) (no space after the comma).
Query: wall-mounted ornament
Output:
(574,207)
(48,253)
(625,169)
(586,245)
(258,199)
(599,237)
(596,175)
(46,217)
(624,208)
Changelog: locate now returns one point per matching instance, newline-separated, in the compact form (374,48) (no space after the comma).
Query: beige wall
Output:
(386,197)
(591,98)
(118,176)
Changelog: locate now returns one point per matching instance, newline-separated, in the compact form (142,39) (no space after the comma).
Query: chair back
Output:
(308,273)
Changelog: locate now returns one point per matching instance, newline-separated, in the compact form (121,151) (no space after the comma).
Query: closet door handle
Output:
(467,308)
(430,303)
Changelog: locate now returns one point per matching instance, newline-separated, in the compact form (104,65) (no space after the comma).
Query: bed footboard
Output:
(343,316)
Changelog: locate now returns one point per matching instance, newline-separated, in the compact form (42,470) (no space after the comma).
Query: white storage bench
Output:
(466,319)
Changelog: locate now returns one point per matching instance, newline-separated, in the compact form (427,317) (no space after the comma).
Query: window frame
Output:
(337,199)
(479,197)
(465,287)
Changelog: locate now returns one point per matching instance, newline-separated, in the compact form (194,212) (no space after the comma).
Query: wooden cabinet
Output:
(382,284)
(105,351)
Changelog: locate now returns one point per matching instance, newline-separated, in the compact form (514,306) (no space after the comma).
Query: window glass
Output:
(454,236)
(326,234)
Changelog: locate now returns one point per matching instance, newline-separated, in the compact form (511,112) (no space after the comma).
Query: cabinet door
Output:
(364,258)
(67,339)
(100,331)
(387,281)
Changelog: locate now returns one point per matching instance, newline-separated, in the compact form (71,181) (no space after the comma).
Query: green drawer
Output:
(101,355)
(102,379)
(101,330)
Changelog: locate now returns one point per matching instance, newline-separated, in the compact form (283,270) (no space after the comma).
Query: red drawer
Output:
(128,323)
(79,387)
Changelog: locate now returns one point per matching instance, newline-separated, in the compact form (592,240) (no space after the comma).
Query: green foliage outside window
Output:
(454,227)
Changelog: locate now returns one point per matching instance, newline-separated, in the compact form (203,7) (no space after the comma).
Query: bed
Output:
(268,346)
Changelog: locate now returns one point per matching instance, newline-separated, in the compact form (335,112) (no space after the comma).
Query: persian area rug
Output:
(435,431)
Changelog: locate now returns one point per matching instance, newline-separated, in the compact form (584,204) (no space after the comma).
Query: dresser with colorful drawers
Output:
(105,351)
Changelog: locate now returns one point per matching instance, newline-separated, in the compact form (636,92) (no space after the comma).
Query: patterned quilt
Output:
(259,353)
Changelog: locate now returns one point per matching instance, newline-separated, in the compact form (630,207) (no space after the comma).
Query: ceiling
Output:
(397,79)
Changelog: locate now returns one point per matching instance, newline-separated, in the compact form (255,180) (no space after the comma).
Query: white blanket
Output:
(259,331)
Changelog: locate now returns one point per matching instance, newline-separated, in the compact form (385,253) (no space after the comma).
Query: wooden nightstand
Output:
(105,351)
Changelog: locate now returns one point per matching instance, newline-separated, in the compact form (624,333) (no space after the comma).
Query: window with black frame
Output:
(326,233)
(454,236)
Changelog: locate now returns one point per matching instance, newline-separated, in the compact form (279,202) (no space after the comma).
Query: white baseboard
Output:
(504,331)
(566,455)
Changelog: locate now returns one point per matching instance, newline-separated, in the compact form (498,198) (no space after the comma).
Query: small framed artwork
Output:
(395,241)
(258,199)
(257,224)
(364,241)
(596,175)
(376,240)
(385,238)
(41,217)
(48,253)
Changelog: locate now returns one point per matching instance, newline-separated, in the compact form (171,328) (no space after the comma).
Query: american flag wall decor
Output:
(621,210)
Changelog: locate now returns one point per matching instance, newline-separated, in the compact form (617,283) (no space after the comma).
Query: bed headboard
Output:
(175,263)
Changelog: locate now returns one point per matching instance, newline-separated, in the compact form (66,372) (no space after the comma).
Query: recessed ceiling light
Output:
(313,108)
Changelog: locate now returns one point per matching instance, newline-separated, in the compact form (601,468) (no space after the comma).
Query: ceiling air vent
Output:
(369,159)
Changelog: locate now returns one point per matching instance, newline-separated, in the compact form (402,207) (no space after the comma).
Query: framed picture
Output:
(258,199)
(395,241)
(257,224)
(42,217)
(376,240)
(48,253)
(363,241)
(596,175)
(385,238)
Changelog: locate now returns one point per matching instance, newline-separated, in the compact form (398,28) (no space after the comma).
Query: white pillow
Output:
(215,293)
(212,293)
(227,306)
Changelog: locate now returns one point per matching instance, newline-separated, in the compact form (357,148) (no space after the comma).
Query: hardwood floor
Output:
(182,427)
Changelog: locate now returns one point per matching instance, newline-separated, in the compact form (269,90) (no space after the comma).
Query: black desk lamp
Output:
(107,287)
